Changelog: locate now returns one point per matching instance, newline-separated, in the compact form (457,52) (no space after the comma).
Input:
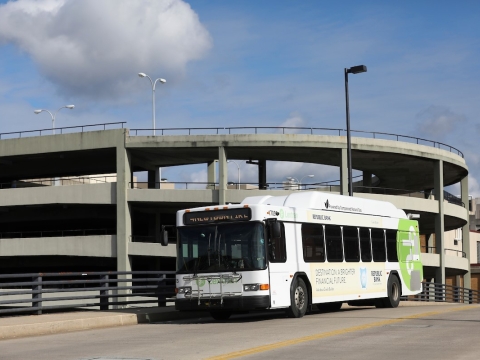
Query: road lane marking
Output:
(281,344)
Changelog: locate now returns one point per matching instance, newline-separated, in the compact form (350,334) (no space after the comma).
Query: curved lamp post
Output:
(54,114)
(238,169)
(353,70)
(310,176)
(154,83)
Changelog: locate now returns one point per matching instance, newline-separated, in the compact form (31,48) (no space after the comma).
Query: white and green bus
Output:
(293,252)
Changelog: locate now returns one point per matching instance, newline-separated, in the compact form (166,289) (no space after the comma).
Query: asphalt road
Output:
(408,332)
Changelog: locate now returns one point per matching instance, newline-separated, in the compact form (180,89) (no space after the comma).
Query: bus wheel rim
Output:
(299,298)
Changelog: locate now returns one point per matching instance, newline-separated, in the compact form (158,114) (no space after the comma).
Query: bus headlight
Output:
(255,287)
(184,290)
(251,287)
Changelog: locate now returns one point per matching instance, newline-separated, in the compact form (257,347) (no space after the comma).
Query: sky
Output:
(246,63)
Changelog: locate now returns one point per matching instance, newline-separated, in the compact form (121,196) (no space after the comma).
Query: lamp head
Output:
(162,80)
(310,176)
(142,74)
(70,106)
(37,111)
(357,69)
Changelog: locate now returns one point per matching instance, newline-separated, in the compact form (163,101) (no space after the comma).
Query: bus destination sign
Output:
(216,216)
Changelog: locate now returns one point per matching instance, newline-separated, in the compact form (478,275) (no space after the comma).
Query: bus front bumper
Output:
(233,303)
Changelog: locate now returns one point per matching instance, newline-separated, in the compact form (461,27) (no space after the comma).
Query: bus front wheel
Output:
(393,291)
(298,300)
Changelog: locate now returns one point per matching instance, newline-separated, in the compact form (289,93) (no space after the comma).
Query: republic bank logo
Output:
(327,204)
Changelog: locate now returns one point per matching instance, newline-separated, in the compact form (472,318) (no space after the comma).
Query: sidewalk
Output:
(33,325)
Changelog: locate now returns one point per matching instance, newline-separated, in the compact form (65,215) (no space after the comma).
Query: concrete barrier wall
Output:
(95,246)
(67,194)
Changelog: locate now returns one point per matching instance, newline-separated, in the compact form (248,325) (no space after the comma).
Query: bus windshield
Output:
(222,247)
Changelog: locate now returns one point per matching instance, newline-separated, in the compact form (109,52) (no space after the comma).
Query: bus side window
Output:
(365,245)
(378,245)
(312,243)
(333,239)
(350,244)
(391,236)
(277,252)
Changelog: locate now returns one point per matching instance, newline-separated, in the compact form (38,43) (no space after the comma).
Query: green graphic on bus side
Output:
(408,249)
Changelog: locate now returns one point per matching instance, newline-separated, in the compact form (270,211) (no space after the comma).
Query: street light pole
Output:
(353,70)
(54,114)
(154,83)
(310,176)
(238,172)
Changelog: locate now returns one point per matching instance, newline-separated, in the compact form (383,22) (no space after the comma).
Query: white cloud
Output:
(439,121)
(295,120)
(473,187)
(95,48)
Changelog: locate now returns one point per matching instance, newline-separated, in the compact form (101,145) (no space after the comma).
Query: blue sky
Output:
(246,63)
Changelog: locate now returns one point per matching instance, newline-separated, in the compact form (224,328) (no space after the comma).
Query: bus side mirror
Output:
(164,237)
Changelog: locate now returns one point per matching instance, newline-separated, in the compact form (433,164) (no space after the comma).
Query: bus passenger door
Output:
(278,268)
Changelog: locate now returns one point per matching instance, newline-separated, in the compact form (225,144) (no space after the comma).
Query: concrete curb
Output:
(16,327)
(61,326)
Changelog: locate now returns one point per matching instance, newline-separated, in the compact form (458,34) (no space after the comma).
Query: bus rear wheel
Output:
(393,291)
(298,300)
(221,315)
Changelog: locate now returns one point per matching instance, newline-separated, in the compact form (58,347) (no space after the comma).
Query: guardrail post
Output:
(439,292)
(104,292)
(37,295)
(470,296)
(456,294)
(162,299)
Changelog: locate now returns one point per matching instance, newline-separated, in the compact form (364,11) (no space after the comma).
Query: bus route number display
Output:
(215,216)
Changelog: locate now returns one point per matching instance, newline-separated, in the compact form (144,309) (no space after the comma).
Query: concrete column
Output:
(222,176)
(439,222)
(262,174)
(344,173)
(151,179)
(367,181)
(124,225)
(158,178)
(212,174)
(158,226)
(467,279)
(154,178)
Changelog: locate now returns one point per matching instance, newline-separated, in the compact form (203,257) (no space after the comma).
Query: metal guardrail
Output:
(61,130)
(433,250)
(294,130)
(77,180)
(322,186)
(29,293)
(435,292)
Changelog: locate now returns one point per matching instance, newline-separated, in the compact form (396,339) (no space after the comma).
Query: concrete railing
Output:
(294,130)
(61,130)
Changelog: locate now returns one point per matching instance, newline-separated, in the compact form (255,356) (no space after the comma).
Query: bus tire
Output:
(298,300)
(221,315)
(394,292)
